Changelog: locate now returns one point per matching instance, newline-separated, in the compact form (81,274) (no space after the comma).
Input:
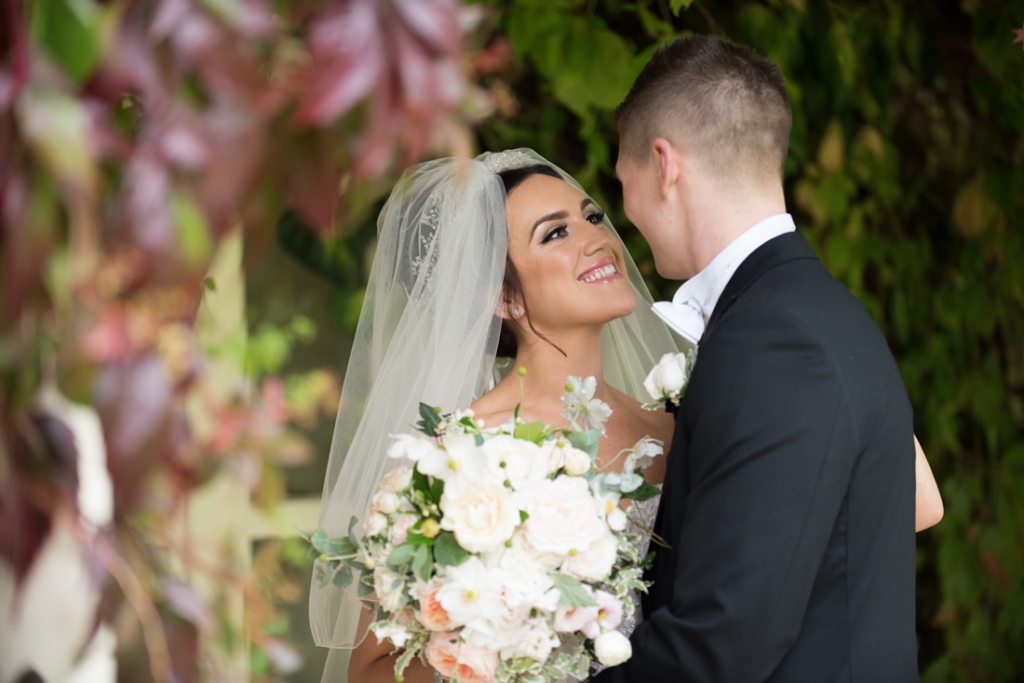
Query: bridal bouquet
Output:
(500,554)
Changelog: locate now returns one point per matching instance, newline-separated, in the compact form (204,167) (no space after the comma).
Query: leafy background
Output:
(130,152)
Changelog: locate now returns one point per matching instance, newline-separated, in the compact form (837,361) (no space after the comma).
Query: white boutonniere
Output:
(668,380)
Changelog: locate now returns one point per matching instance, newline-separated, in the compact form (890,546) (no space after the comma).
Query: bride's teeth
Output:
(601,273)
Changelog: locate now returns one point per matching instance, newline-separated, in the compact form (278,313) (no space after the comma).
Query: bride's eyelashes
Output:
(596,218)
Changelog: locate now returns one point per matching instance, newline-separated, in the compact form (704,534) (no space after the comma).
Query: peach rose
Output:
(432,615)
(460,661)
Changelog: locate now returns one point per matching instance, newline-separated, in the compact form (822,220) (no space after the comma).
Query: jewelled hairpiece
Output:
(497,162)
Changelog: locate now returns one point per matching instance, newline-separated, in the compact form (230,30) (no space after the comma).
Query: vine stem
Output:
(658,540)
(152,629)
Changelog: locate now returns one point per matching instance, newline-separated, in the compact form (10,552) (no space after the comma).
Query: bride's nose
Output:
(596,239)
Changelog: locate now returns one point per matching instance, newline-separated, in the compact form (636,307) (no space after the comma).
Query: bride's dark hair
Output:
(512,285)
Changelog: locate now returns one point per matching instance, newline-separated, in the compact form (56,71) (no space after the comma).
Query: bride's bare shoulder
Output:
(492,408)
(654,423)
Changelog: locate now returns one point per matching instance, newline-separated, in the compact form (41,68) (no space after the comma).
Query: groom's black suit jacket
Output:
(789,494)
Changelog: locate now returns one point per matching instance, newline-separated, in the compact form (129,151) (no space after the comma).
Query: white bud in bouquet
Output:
(384,503)
(397,634)
(375,524)
(576,461)
(612,648)
(554,451)
(408,447)
(669,377)
(397,480)
(399,533)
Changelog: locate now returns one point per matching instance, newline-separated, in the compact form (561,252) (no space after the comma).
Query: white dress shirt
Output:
(691,307)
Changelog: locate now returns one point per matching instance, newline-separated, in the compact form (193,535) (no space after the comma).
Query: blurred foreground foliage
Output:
(147,149)
(906,173)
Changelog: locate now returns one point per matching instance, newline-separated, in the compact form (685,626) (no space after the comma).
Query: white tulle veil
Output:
(428,332)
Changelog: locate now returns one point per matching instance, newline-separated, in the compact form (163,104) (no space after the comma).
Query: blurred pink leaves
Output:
(122,166)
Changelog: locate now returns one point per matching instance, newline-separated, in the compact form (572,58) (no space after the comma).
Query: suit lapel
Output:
(789,247)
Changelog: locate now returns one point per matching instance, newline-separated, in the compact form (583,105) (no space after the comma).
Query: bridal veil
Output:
(428,333)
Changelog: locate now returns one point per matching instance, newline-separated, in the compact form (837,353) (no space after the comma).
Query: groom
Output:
(789,495)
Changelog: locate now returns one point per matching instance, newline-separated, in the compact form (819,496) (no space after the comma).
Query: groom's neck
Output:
(717,216)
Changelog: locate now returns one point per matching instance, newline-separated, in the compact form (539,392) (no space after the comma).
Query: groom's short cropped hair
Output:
(721,101)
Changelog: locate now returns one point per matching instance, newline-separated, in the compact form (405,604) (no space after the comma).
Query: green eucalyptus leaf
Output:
(571,593)
(448,552)
(403,554)
(343,577)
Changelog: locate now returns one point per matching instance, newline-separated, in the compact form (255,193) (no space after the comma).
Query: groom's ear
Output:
(668,160)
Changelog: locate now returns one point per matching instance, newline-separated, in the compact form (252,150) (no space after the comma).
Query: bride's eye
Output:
(553,234)
(596,218)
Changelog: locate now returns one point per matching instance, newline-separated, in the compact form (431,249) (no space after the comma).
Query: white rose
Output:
(480,512)
(612,648)
(398,635)
(410,447)
(384,503)
(563,516)
(576,461)
(595,563)
(668,378)
(517,460)
(384,581)
(397,480)
(375,523)
(400,529)
(536,641)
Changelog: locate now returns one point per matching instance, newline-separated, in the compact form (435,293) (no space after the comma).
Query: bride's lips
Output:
(604,270)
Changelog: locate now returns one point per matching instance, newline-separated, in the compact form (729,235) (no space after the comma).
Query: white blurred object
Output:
(46,625)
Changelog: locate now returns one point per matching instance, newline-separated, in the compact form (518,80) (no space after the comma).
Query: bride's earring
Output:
(516,313)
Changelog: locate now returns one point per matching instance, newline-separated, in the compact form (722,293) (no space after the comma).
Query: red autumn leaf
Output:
(135,402)
(347,61)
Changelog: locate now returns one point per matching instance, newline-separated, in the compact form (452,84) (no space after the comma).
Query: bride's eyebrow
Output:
(559,215)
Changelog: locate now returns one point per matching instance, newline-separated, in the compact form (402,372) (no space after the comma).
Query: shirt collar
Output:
(706,287)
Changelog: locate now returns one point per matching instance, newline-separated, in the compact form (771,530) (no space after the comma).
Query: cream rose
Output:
(576,461)
(399,533)
(480,512)
(612,648)
(536,640)
(563,516)
(384,580)
(595,563)
(397,480)
(375,523)
(458,660)
(384,503)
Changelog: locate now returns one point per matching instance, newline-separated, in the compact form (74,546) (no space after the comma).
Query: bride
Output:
(483,266)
